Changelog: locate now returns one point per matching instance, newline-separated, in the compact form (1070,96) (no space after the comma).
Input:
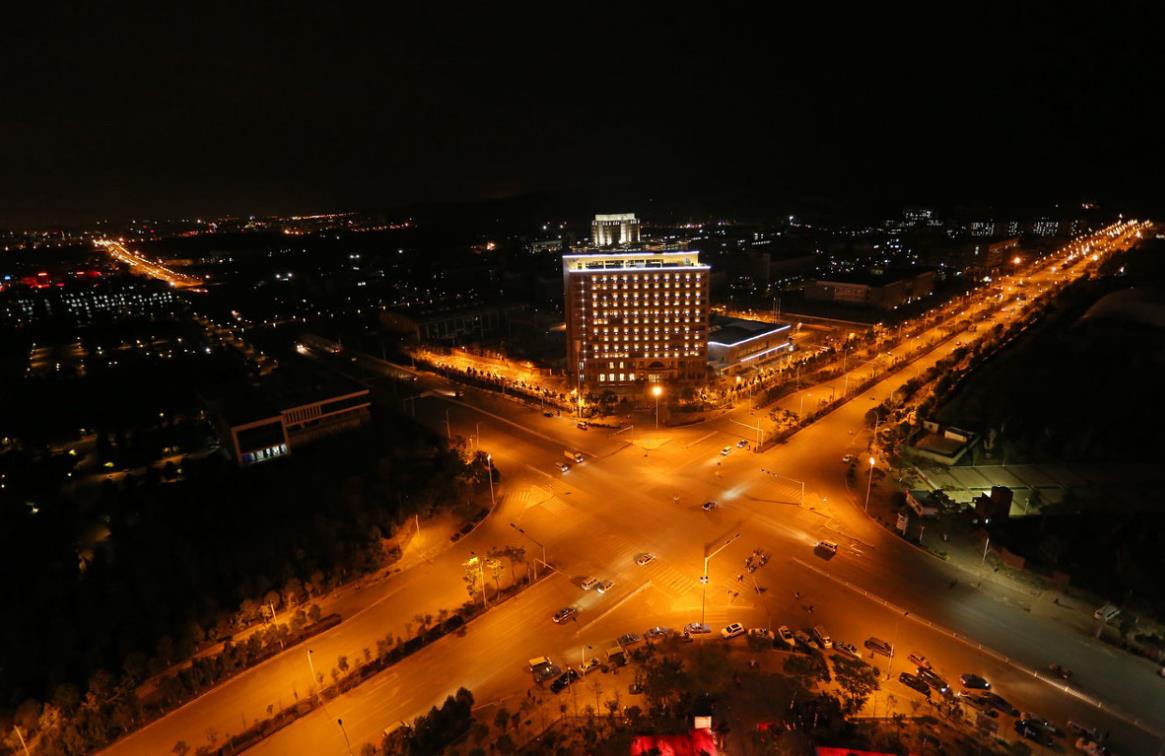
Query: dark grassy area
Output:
(1075,388)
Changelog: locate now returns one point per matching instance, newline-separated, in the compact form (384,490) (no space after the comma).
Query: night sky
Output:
(119,114)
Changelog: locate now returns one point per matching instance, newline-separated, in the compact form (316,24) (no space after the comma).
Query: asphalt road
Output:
(641,490)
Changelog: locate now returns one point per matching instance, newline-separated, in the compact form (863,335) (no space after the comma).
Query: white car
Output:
(645,559)
(847,459)
(589,665)
(828,546)
(733,630)
(588,583)
(605,586)
(786,636)
(725,451)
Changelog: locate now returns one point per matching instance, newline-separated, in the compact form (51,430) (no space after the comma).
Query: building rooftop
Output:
(728,331)
(613,261)
(284,389)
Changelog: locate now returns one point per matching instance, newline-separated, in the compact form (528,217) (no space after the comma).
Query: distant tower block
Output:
(615,229)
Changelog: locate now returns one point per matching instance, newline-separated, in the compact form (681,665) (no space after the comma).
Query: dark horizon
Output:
(127,115)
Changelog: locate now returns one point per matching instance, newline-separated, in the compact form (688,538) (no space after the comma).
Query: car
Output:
(565,614)
(848,648)
(563,681)
(605,586)
(547,673)
(977,702)
(645,559)
(933,680)
(879,646)
(725,451)
(579,458)
(915,682)
(920,661)
(822,638)
(977,682)
(742,443)
(589,665)
(588,583)
(733,630)
(1025,729)
(657,633)
(538,662)
(547,413)
(582,425)
(697,628)
(628,639)
(999,702)
(848,459)
(1039,723)
(709,506)
(760,632)
(803,638)
(828,547)
(786,636)
(563,466)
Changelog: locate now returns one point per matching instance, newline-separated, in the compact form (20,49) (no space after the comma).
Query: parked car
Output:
(645,559)
(628,639)
(538,662)
(999,702)
(879,646)
(588,583)
(657,633)
(933,680)
(547,673)
(760,632)
(785,635)
(1032,733)
(589,665)
(803,638)
(605,586)
(565,614)
(547,413)
(914,681)
(733,630)
(582,425)
(1040,723)
(822,637)
(977,702)
(977,682)
(563,681)
(696,628)
(919,661)
(848,648)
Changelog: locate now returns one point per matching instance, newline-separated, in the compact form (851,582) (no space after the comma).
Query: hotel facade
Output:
(635,320)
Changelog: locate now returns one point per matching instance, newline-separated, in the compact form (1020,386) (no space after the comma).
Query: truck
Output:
(573,456)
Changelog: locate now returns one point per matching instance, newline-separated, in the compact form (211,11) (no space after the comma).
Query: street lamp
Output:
(656,390)
(869,484)
(704,577)
(537,543)
(489,458)
(475,561)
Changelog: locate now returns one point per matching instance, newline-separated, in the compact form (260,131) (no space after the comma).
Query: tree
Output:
(314,613)
(66,697)
(502,719)
(342,663)
(180,748)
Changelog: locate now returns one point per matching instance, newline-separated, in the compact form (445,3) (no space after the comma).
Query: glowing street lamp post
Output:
(869,484)
(656,391)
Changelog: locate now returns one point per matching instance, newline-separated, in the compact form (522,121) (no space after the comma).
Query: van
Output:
(588,583)
(1106,613)
(822,637)
(538,662)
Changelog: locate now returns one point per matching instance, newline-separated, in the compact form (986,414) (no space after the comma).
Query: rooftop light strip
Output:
(751,338)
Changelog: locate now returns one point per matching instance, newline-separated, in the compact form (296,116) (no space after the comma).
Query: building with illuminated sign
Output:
(635,319)
(614,229)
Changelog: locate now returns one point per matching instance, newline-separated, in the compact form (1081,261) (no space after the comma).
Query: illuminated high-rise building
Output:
(635,319)
(614,230)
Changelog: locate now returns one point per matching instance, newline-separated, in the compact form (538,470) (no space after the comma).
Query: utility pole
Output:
(448,426)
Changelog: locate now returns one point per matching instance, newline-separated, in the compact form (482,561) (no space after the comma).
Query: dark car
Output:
(999,702)
(933,680)
(1025,729)
(563,681)
(976,682)
(879,646)
(914,681)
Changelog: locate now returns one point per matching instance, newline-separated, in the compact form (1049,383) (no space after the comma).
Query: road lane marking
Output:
(615,606)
